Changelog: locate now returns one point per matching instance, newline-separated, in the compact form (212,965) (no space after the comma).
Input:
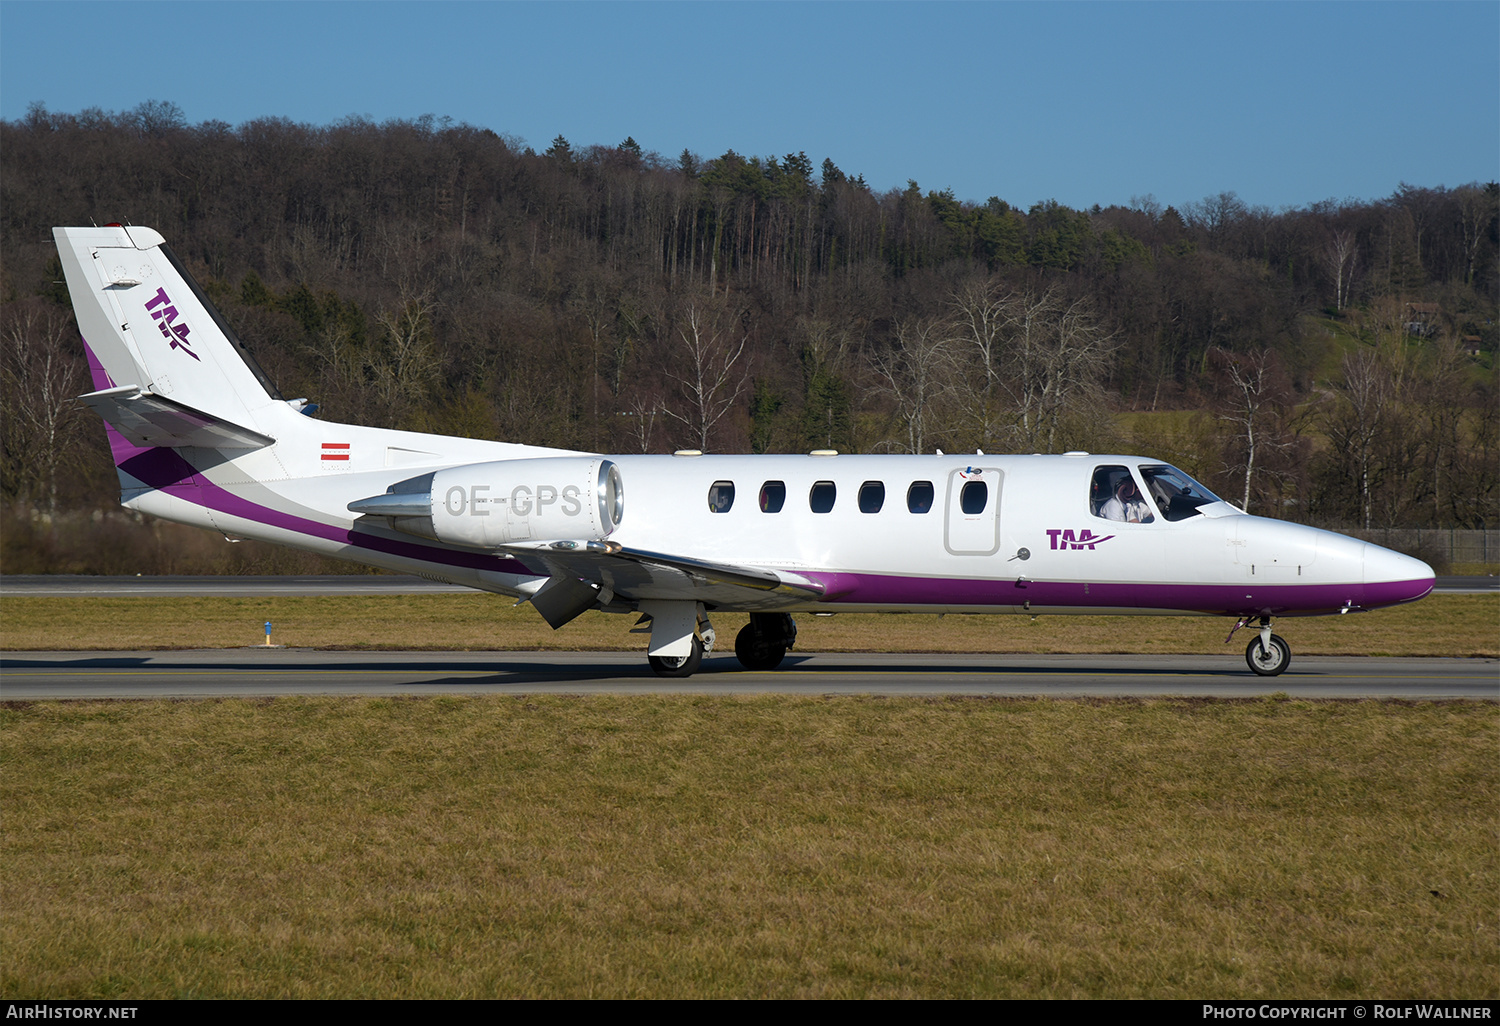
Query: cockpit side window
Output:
(1177,495)
(1114,495)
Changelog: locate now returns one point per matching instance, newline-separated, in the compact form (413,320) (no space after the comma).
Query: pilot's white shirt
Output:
(1134,511)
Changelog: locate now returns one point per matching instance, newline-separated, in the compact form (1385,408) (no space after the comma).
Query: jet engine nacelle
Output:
(489,505)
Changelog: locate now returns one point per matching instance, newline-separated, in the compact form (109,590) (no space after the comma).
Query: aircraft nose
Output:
(1391,577)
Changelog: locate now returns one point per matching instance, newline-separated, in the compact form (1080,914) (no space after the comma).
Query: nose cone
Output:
(1392,578)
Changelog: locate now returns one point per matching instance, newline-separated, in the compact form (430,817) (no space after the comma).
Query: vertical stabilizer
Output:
(150,328)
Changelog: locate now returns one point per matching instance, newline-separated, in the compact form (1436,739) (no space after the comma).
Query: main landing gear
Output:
(678,666)
(1268,654)
(762,643)
(681,635)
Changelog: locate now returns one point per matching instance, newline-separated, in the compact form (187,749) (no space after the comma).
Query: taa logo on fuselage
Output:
(524,500)
(1067,538)
(165,314)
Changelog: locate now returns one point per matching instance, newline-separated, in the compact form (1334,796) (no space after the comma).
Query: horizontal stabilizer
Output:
(147,420)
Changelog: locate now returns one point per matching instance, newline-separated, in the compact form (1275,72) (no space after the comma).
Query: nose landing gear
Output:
(1267,655)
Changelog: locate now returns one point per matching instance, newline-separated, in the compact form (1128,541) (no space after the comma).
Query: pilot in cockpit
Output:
(1127,505)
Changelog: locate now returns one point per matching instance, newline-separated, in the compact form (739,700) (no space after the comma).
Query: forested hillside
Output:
(1334,363)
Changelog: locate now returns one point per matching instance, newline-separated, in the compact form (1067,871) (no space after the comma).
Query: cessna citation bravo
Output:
(201,436)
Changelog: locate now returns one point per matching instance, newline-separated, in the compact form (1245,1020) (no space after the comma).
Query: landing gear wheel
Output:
(755,652)
(1272,661)
(678,666)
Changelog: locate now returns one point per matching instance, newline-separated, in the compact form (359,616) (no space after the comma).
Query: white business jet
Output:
(201,436)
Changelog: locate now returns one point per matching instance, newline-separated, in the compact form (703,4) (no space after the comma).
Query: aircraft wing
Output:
(148,420)
(581,574)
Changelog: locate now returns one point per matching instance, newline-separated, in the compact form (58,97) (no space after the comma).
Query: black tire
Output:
(754,653)
(1269,664)
(685,666)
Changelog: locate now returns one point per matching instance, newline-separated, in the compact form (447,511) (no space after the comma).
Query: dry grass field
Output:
(743,847)
(749,847)
(1440,625)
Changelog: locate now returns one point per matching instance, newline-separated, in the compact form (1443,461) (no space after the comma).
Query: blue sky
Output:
(1283,103)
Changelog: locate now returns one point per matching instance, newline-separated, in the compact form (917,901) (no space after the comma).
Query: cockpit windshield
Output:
(1176,495)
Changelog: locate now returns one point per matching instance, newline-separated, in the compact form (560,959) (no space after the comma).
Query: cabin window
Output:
(919,497)
(871,496)
(721,496)
(974,497)
(1114,495)
(772,496)
(821,497)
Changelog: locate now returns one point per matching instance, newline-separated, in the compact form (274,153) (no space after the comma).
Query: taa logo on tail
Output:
(165,315)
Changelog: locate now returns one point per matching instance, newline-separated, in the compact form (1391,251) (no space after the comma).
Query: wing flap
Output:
(146,419)
(638,574)
(757,578)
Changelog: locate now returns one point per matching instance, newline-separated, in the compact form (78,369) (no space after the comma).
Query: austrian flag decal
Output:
(335,451)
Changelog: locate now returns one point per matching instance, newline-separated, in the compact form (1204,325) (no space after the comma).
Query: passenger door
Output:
(972,525)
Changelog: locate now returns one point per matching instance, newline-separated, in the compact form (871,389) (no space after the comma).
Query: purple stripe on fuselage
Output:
(166,470)
(1217,599)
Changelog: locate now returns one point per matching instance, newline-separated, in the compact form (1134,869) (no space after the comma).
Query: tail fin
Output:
(168,371)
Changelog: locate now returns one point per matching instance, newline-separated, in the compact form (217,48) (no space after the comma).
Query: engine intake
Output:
(489,505)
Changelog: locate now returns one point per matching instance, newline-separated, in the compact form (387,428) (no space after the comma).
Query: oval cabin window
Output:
(721,496)
(821,497)
(973,497)
(772,496)
(919,497)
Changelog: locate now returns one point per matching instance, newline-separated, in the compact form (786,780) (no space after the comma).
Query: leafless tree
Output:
(1477,211)
(1254,393)
(1356,418)
(1440,404)
(917,373)
(1056,355)
(1217,216)
(643,411)
(598,303)
(706,374)
(1340,259)
(983,309)
(41,378)
(403,367)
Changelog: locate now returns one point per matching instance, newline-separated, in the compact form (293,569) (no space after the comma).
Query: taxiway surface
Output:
(256,672)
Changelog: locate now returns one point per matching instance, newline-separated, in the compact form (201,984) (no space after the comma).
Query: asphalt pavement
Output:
(259,672)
